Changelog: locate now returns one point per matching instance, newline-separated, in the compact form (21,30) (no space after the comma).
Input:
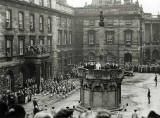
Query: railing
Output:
(37,50)
(101,74)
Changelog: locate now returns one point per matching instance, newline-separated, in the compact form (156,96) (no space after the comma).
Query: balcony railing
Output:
(37,50)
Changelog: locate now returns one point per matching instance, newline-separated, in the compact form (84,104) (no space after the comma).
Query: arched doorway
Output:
(91,57)
(127,58)
(155,55)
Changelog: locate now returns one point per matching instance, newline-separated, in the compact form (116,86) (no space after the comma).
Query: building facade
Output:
(41,39)
(124,37)
(28,41)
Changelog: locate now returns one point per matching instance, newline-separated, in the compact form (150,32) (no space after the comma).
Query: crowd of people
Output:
(98,66)
(150,68)
(18,111)
(55,87)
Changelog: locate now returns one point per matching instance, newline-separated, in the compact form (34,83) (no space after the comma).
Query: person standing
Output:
(149,96)
(155,79)
(135,115)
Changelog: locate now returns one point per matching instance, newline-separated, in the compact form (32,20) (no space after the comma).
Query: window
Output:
(59,37)
(91,37)
(9,40)
(32,40)
(110,22)
(21,20)
(128,22)
(41,40)
(65,37)
(32,23)
(8,19)
(110,37)
(41,2)
(21,45)
(49,3)
(49,43)
(91,57)
(70,38)
(91,22)
(41,27)
(128,38)
(49,24)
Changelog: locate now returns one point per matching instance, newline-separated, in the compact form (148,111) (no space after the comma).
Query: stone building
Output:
(125,34)
(28,41)
(151,43)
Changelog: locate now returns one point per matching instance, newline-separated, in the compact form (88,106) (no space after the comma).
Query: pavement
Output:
(134,93)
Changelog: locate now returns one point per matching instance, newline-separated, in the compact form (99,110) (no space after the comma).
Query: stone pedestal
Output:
(101,89)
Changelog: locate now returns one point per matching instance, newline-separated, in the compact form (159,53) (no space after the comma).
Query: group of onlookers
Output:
(58,87)
(18,111)
(98,66)
(22,96)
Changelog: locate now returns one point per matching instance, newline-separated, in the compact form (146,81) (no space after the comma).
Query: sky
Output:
(149,6)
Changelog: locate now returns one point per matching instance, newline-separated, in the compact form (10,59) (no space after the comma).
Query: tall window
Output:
(21,20)
(49,24)
(110,37)
(59,37)
(32,23)
(41,40)
(41,23)
(128,37)
(65,37)
(9,46)
(70,38)
(21,45)
(49,43)
(41,2)
(91,37)
(32,40)
(41,44)
(49,3)
(8,19)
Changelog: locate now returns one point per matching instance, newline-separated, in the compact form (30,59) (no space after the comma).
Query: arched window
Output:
(155,54)
(91,57)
